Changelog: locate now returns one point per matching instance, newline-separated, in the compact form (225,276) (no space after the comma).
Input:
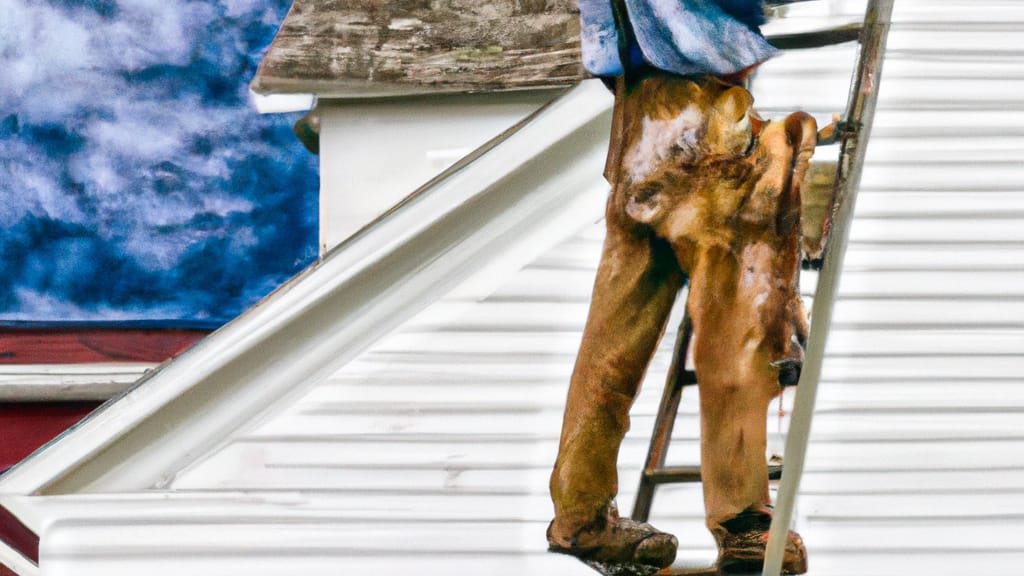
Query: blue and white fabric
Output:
(682,36)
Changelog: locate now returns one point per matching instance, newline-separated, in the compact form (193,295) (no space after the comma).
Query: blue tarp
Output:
(681,36)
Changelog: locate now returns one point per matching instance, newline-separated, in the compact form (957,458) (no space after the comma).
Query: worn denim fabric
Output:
(681,36)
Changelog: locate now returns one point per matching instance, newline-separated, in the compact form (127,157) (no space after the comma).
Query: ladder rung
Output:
(681,474)
(818,38)
(674,474)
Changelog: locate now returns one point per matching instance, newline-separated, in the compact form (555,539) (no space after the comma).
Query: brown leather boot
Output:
(611,540)
(742,549)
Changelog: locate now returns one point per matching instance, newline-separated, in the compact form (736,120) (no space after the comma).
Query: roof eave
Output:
(341,50)
(342,88)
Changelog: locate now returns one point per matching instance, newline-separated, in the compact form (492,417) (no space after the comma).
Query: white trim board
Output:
(17,563)
(68,382)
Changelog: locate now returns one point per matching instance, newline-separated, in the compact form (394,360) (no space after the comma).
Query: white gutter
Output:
(523,182)
(282,103)
(17,563)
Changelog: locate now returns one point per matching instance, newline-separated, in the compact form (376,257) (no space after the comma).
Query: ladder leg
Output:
(678,377)
(860,117)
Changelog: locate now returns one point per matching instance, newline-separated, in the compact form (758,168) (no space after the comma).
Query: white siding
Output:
(375,153)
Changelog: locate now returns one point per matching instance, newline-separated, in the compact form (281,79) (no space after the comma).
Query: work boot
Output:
(742,549)
(617,541)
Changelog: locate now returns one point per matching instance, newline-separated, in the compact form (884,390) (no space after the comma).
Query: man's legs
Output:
(636,284)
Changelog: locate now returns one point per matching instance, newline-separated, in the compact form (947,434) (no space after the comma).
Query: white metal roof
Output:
(431,450)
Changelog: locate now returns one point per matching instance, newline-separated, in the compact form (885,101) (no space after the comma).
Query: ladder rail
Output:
(678,377)
(854,140)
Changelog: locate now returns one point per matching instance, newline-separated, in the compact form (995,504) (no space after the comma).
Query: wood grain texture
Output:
(370,48)
(85,344)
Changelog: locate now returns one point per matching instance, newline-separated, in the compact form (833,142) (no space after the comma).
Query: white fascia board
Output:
(325,316)
(282,103)
(68,382)
(17,563)
(11,558)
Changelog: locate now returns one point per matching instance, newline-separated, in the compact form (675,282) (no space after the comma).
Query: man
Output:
(702,189)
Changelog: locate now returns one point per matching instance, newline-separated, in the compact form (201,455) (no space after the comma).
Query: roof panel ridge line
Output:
(333,309)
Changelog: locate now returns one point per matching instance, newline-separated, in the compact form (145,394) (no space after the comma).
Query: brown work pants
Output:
(731,224)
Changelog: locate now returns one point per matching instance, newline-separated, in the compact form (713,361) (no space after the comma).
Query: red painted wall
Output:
(80,345)
(25,426)
(18,536)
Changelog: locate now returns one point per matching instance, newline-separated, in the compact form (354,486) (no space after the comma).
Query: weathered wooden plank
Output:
(399,47)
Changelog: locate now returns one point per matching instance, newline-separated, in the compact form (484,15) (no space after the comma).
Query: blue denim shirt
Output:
(682,36)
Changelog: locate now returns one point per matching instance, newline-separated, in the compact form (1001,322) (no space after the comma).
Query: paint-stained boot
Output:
(613,540)
(742,549)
